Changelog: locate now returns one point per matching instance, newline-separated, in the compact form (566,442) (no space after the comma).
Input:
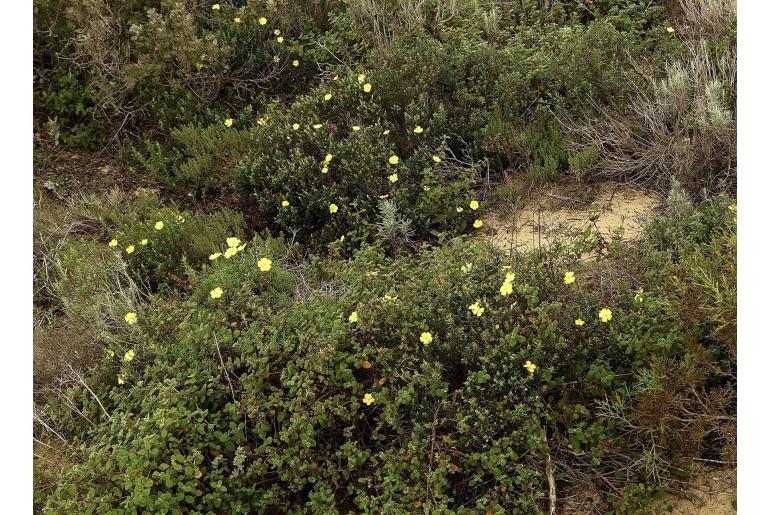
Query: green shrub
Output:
(276,395)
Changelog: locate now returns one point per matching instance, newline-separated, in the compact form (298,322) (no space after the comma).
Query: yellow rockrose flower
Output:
(333,208)
(216,292)
(569,277)
(265,264)
(353,318)
(579,322)
(418,130)
(232,241)
(393,177)
(113,243)
(262,20)
(368,399)
(478,223)
(129,355)
(130,249)
(605,315)
(426,338)
(158,226)
(130,318)
(367,87)
(393,160)
(474,204)
(531,367)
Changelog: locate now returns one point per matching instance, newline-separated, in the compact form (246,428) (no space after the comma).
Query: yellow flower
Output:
(605,315)
(506,289)
(228,122)
(478,223)
(216,292)
(129,355)
(530,367)
(353,318)
(130,249)
(426,188)
(639,297)
(418,130)
(143,242)
(241,247)
(232,241)
(368,399)
(214,256)
(325,169)
(277,32)
(276,59)
(215,7)
(476,309)
(569,277)
(367,87)
(262,20)
(510,276)
(295,126)
(328,96)
(130,318)
(110,353)
(279,39)
(361,78)
(113,243)
(393,160)
(261,121)
(670,30)
(426,338)
(317,125)
(295,63)
(474,204)
(732,208)
(199,65)
(579,322)
(230,252)
(237,19)
(285,203)
(356,128)
(460,209)
(328,158)
(158,226)
(265,264)
(436,159)
(333,208)
(393,177)
(467,267)
(121,379)
(386,132)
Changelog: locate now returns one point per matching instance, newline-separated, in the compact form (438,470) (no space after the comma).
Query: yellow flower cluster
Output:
(507,286)
(569,278)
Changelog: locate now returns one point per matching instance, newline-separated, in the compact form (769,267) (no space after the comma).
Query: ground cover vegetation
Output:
(271,291)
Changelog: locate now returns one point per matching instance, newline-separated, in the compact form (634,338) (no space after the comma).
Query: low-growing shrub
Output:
(446,381)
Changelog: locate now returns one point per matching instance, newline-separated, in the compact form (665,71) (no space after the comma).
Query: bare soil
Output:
(540,216)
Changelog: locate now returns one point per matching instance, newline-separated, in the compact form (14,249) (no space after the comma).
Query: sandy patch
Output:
(712,492)
(541,217)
